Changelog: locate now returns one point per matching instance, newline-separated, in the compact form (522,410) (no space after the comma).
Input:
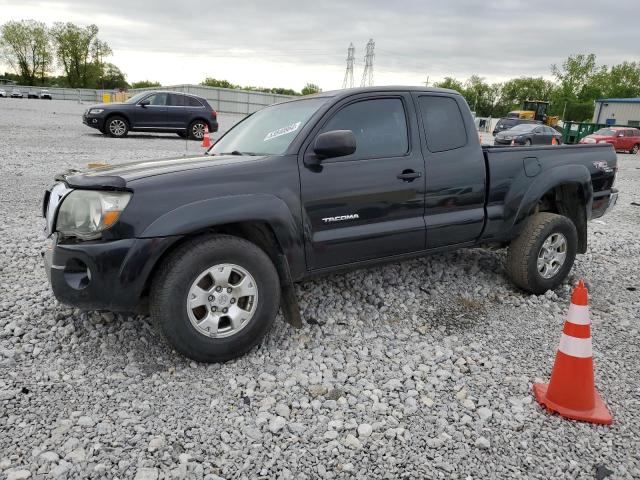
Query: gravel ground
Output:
(421,369)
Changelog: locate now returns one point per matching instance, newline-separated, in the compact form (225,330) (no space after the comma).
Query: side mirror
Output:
(144,103)
(336,143)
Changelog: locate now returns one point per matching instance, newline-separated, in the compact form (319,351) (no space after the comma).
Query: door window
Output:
(443,123)
(158,99)
(175,100)
(379,125)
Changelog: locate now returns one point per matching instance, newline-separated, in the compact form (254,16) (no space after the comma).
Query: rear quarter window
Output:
(193,102)
(443,123)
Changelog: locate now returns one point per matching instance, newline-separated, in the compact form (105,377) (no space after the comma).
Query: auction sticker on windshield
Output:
(282,131)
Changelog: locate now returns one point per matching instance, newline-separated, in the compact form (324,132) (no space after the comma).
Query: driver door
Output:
(154,114)
(369,204)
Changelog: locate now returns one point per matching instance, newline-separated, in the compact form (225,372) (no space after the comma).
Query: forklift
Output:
(534,110)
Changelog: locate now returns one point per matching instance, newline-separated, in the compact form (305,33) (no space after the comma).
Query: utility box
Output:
(106,98)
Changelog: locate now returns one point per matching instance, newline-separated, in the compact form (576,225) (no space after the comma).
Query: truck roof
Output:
(386,88)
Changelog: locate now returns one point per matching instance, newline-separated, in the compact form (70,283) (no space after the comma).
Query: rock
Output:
(49,456)
(145,473)
(156,443)
(76,456)
(352,442)
(317,390)
(283,410)
(86,421)
(18,475)
(484,413)
(364,430)
(483,443)
(276,424)
(60,470)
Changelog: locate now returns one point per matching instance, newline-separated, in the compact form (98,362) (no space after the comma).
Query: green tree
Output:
(311,88)
(145,84)
(26,47)
(76,49)
(113,77)
(451,83)
(214,82)
(517,90)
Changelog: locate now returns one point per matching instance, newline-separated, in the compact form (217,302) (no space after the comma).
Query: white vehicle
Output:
(15,93)
(3,93)
(45,94)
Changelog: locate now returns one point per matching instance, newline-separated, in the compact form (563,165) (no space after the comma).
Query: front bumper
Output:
(93,121)
(103,275)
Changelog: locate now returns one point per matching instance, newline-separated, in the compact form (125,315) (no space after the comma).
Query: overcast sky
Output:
(288,43)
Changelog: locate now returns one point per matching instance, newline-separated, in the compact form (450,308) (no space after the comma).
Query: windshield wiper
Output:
(236,152)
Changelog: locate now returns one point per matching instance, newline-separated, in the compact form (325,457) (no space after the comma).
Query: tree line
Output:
(578,81)
(34,51)
(308,89)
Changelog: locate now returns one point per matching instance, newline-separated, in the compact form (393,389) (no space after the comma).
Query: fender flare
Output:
(548,180)
(209,213)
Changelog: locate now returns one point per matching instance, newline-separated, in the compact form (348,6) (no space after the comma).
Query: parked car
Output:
(528,134)
(622,138)
(3,93)
(181,113)
(212,244)
(32,94)
(45,95)
(507,123)
(15,93)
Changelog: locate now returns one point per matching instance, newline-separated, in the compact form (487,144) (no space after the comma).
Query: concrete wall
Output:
(223,100)
(622,113)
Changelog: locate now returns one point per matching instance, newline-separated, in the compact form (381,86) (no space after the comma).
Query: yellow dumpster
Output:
(106,97)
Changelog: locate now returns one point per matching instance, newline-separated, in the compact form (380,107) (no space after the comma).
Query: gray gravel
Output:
(421,369)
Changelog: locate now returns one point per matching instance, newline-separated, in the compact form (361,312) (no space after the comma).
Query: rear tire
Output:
(634,150)
(184,296)
(196,129)
(117,126)
(527,142)
(533,262)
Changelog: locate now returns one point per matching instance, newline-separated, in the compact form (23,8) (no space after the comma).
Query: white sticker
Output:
(282,131)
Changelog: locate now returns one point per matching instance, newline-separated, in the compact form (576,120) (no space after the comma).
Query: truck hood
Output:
(117,177)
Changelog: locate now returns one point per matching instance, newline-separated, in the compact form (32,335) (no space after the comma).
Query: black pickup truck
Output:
(211,245)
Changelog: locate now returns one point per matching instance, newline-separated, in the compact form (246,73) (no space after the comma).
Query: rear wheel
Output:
(527,142)
(196,129)
(215,297)
(542,256)
(117,126)
(635,149)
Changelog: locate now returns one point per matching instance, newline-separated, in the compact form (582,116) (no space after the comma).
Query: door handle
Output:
(409,175)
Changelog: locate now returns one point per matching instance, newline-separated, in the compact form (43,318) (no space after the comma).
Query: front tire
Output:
(117,126)
(634,150)
(527,142)
(215,297)
(542,256)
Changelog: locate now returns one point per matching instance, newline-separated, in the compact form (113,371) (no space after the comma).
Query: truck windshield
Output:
(269,131)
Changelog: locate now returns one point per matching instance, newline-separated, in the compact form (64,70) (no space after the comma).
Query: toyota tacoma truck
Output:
(211,245)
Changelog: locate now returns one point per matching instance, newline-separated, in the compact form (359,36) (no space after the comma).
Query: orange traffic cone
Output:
(571,391)
(206,141)
(554,141)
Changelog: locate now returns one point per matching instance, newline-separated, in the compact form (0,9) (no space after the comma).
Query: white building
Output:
(617,111)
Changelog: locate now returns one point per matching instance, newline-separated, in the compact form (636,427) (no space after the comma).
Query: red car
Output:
(622,138)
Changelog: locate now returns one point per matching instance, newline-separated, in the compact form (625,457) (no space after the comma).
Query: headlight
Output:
(86,213)
(95,111)
(602,141)
(508,137)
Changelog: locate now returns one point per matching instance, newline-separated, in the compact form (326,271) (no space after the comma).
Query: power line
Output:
(367,75)
(348,74)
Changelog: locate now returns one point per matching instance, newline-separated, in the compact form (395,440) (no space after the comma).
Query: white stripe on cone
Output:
(576,347)
(579,314)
